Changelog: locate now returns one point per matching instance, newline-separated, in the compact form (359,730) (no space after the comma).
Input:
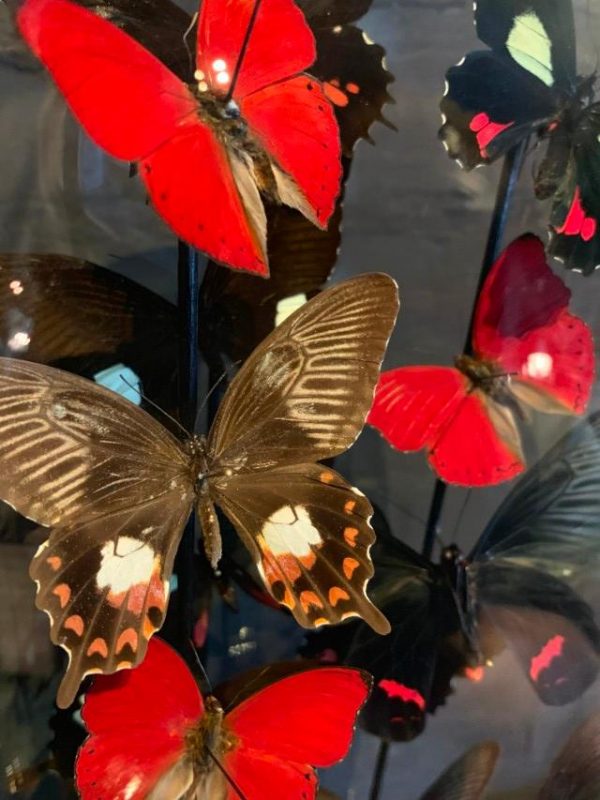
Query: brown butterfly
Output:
(117,488)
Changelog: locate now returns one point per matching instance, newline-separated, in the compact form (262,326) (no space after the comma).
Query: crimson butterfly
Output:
(153,735)
(117,487)
(528,349)
(251,123)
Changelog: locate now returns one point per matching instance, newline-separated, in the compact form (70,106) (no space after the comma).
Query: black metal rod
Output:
(188,284)
(506,187)
(380,766)
(243,50)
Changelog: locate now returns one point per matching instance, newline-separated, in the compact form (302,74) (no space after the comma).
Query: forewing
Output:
(412,404)
(268,58)
(551,630)
(575,772)
(490,105)
(468,776)
(304,393)
(309,534)
(539,36)
(125,98)
(307,718)
(575,218)
(550,519)
(137,721)
(296,125)
(72,451)
(104,583)
(226,219)
(523,325)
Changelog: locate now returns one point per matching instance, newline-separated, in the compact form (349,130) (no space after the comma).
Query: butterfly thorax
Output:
(209,739)
(224,117)
(485,376)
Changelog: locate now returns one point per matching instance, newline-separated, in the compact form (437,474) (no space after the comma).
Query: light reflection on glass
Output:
(19,341)
(539,365)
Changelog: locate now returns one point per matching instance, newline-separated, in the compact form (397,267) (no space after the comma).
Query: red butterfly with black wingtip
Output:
(153,735)
(527,85)
(251,123)
(529,351)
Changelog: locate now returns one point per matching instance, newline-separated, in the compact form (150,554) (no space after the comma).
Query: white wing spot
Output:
(124,564)
(59,411)
(287,306)
(290,530)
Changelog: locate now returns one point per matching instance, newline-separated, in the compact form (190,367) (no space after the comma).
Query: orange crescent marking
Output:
(349,506)
(326,477)
(350,535)
(148,628)
(288,600)
(308,599)
(55,562)
(128,637)
(124,665)
(336,593)
(320,621)
(75,623)
(349,565)
(98,646)
(63,592)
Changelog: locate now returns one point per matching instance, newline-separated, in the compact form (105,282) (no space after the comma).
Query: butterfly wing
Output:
(468,776)
(575,215)
(269,58)
(551,630)
(522,323)
(137,721)
(304,393)
(470,439)
(105,75)
(309,533)
(481,120)
(114,485)
(304,721)
(575,772)
(496,99)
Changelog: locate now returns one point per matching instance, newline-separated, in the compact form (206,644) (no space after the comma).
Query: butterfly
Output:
(527,84)
(518,587)
(153,735)
(117,487)
(468,776)
(528,351)
(251,122)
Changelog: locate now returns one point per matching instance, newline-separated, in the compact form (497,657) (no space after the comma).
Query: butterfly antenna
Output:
(155,405)
(243,49)
(227,776)
(214,387)
(201,667)
(245,688)
(185,41)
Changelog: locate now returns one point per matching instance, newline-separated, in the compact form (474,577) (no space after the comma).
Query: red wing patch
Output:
(485,130)
(393,689)
(551,650)
(577,223)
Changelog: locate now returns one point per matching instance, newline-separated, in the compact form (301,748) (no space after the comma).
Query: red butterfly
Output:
(152,735)
(251,123)
(527,348)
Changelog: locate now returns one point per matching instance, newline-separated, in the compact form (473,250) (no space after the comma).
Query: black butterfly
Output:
(117,488)
(448,618)
(528,84)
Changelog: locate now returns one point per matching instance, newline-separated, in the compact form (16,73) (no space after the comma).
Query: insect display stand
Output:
(509,177)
